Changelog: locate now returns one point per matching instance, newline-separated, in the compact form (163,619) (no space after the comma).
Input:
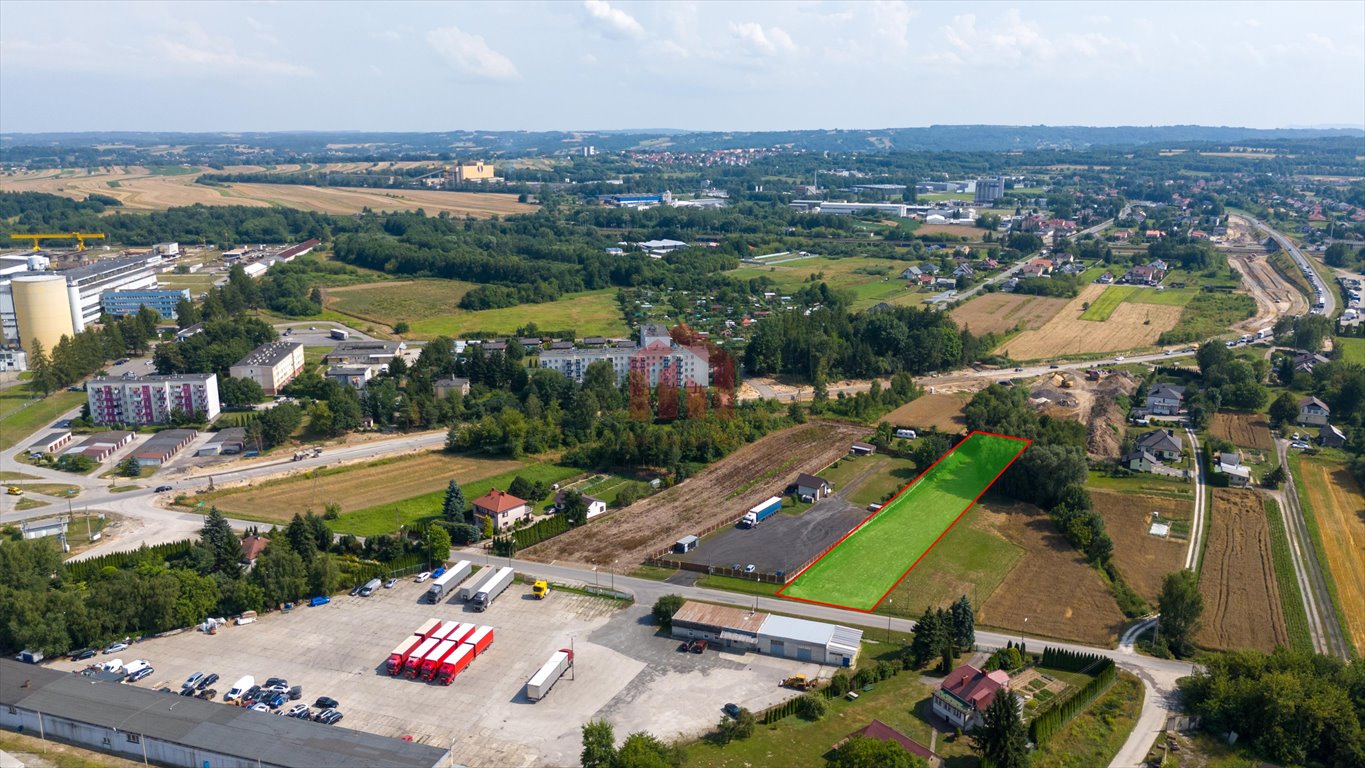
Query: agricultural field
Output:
(1144,559)
(1001,312)
(1130,326)
(1104,306)
(355,487)
(731,485)
(1242,606)
(1244,430)
(861,570)
(941,411)
(971,232)
(1352,349)
(590,313)
(1335,503)
(156,189)
(388,302)
(871,281)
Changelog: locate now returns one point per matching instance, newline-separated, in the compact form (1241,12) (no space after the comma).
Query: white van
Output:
(136,666)
(240,688)
(113,665)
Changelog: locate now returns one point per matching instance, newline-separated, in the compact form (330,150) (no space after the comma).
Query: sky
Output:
(607,64)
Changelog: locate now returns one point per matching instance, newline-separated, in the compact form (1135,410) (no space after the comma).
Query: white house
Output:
(1165,399)
(1313,411)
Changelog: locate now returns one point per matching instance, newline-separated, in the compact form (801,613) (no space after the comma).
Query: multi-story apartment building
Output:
(152,399)
(657,356)
(271,365)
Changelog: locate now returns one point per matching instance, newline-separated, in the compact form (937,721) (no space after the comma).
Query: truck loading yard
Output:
(622,671)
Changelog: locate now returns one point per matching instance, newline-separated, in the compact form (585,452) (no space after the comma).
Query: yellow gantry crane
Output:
(79,237)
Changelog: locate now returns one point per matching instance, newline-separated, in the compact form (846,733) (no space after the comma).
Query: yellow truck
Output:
(540,589)
(15,490)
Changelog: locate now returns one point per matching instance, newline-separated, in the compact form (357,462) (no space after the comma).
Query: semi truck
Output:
(761,512)
(414,662)
(494,587)
(399,655)
(1264,333)
(472,587)
(545,678)
(432,661)
(480,639)
(370,587)
(447,581)
(454,664)
(339,334)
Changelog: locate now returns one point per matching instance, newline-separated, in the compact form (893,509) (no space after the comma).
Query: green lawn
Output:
(1097,734)
(860,571)
(1100,309)
(386,518)
(731,584)
(889,474)
(1175,297)
(590,313)
(878,281)
(1209,314)
(21,415)
(390,302)
(1352,349)
(1144,484)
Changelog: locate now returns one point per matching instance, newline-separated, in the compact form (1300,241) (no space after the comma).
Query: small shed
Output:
(862,449)
(686,544)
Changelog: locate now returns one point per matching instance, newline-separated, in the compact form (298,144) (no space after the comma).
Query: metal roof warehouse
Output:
(743,630)
(182,731)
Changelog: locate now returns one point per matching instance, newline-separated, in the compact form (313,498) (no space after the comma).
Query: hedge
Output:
(1046,725)
(85,570)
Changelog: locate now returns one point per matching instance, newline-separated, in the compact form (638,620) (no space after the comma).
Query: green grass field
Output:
(1352,349)
(590,313)
(390,302)
(21,415)
(878,281)
(860,571)
(1104,306)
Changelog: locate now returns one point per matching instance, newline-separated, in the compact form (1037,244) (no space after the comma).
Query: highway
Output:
(1325,289)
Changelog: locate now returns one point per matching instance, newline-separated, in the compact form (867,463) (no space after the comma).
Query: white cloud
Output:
(769,42)
(224,61)
(891,20)
(617,21)
(471,54)
(264,32)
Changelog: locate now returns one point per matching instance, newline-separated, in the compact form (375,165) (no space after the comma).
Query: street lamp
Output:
(888,621)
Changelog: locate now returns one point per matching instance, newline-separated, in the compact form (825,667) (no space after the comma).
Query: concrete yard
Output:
(783,542)
(625,672)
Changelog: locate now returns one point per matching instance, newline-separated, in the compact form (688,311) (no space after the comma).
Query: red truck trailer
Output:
(444,629)
(399,656)
(424,631)
(461,632)
(432,661)
(455,663)
(414,662)
(480,639)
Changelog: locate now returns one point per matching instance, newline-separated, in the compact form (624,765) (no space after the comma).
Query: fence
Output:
(1046,725)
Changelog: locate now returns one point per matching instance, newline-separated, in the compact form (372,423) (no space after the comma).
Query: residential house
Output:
(813,487)
(252,547)
(1139,461)
(1331,437)
(1304,362)
(963,270)
(929,269)
(966,693)
(1313,411)
(1105,279)
(1230,464)
(1165,444)
(1143,275)
(443,387)
(911,273)
(595,506)
(1165,399)
(502,507)
(879,730)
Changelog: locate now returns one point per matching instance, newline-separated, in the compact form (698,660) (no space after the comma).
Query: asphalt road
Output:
(1323,287)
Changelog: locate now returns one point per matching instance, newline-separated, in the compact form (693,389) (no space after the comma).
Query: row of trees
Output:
(75,357)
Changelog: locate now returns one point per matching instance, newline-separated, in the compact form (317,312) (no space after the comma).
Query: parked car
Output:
(116,647)
(325,702)
(296,710)
(185,691)
(1295,436)
(207,695)
(319,600)
(731,709)
(355,590)
(749,568)
(296,693)
(698,646)
(332,719)
(1054,366)
(277,701)
(162,489)
(320,716)
(192,680)
(140,674)
(1299,445)
(389,584)
(423,576)
(276,682)
(82,655)
(252,693)
(259,708)
(207,681)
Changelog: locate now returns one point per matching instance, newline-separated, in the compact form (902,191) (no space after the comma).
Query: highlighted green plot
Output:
(860,570)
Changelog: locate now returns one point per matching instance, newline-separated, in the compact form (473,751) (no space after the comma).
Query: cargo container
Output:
(432,661)
(761,512)
(370,587)
(545,678)
(399,655)
(461,632)
(447,581)
(454,664)
(414,662)
(480,639)
(494,587)
(444,631)
(427,626)
(339,334)
(469,588)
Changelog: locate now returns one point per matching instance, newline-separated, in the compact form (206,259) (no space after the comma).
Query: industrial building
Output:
(843,208)
(13,359)
(163,446)
(162,301)
(152,727)
(271,365)
(33,300)
(743,630)
(152,399)
(657,356)
(989,189)
(41,310)
(364,352)
(86,284)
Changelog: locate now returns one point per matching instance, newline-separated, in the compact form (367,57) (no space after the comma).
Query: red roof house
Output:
(966,693)
(502,506)
(253,546)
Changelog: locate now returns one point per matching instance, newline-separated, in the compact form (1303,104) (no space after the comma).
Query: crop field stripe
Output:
(891,506)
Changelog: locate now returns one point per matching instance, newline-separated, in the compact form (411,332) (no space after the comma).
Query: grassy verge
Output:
(652,572)
(1097,734)
(1311,520)
(25,504)
(731,584)
(53,489)
(1291,598)
(1208,315)
(59,755)
(8,475)
(21,415)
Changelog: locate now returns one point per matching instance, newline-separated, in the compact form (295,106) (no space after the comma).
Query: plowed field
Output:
(1241,598)
(1245,430)
(1000,312)
(1143,559)
(1131,326)
(720,493)
(940,411)
(1340,511)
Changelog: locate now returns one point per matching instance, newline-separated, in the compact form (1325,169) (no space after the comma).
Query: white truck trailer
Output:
(494,587)
(472,587)
(447,581)
(545,678)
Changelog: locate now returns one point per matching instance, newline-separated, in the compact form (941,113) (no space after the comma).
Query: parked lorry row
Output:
(761,512)
(549,673)
(492,588)
(439,650)
(448,580)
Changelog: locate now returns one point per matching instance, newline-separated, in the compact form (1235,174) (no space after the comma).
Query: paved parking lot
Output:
(782,542)
(624,672)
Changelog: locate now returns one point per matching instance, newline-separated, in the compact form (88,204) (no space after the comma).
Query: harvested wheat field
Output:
(1052,586)
(1000,312)
(1244,430)
(1237,579)
(1339,509)
(348,200)
(1130,327)
(139,189)
(359,486)
(1144,559)
(715,497)
(939,411)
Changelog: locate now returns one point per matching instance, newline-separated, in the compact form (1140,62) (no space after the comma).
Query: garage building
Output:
(737,629)
(149,726)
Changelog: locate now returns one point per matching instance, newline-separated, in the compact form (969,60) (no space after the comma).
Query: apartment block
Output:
(152,399)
